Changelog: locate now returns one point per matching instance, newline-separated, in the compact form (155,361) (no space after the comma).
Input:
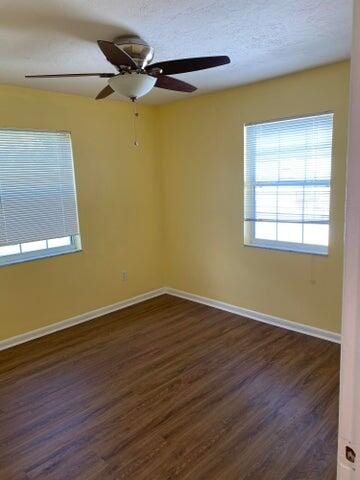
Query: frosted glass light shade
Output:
(132,85)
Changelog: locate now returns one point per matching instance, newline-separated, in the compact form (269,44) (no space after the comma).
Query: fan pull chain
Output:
(136,117)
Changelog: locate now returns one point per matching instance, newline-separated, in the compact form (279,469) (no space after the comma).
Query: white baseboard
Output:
(261,317)
(84,317)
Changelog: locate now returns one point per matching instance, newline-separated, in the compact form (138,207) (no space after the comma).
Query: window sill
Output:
(289,248)
(37,255)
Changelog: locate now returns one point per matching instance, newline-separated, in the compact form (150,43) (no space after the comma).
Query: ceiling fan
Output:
(136,76)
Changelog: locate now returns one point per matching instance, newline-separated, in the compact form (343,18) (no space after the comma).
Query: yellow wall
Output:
(119,210)
(202,157)
(170,212)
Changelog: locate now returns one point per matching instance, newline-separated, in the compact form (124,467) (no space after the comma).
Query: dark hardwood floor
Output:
(169,390)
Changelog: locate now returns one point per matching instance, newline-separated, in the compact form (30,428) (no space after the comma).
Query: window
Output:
(38,211)
(287,183)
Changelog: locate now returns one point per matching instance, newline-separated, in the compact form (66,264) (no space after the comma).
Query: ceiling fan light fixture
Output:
(132,85)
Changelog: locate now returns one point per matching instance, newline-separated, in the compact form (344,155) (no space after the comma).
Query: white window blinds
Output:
(287,183)
(37,190)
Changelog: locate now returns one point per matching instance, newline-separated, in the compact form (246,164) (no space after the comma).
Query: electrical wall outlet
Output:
(124,276)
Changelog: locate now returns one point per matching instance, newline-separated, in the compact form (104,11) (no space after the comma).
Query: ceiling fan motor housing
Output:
(138,49)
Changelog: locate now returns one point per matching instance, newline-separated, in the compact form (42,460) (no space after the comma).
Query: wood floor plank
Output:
(170,390)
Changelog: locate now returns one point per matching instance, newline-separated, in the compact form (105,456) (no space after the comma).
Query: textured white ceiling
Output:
(264,38)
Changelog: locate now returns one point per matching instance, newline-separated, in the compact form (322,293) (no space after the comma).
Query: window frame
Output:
(249,227)
(75,246)
(75,240)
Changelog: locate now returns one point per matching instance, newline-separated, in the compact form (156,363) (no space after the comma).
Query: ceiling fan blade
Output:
(174,84)
(184,65)
(115,55)
(102,75)
(105,92)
